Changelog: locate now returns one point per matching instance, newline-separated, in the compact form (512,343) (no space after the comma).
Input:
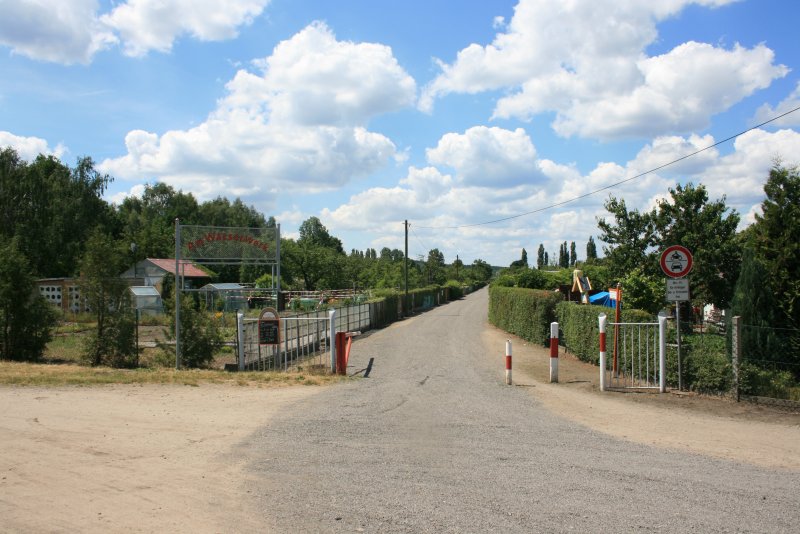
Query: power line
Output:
(615,184)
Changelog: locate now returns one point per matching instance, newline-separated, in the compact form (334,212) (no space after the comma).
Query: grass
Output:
(38,374)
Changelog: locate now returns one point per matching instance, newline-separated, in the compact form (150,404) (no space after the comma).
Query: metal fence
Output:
(305,338)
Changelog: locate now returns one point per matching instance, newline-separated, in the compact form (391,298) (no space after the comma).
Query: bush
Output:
(200,335)
(526,313)
(707,367)
(27,319)
(758,382)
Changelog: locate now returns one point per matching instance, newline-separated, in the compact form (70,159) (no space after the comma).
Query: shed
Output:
(147,300)
(151,272)
(225,296)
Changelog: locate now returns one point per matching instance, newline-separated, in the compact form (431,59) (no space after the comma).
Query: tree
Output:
(434,267)
(480,271)
(776,240)
(540,260)
(200,334)
(591,250)
(630,238)
(26,318)
(708,230)
(522,261)
(573,256)
(106,294)
(314,232)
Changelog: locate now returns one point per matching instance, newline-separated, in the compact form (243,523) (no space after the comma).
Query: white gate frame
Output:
(609,381)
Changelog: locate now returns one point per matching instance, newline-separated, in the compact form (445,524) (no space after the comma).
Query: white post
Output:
(508,362)
(240,334)
(662,354)
(332,343)
(553,352)
(602,319)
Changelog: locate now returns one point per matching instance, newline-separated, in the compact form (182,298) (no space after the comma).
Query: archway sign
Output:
(676,261)
(214,245)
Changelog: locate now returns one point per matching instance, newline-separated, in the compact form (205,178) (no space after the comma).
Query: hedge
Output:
(526,313)
(579,327)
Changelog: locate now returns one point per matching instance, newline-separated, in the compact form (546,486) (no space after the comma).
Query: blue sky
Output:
(446,113)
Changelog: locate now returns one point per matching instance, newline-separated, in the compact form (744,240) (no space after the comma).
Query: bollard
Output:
(602,324)
(553,352)
(508,362)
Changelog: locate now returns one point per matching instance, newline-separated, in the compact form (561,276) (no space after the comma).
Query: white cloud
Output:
(488,156)
(72,31)
(29,148)
(790,103)
(261,139)
(446,213)
(585,60)
(67,31)
(144,25)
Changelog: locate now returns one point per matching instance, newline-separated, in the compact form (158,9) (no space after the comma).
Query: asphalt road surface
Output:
(434,441)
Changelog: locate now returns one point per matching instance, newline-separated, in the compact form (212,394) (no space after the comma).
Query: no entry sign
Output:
(676,261)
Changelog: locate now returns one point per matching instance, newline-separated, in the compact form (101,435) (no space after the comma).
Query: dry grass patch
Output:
(32,374)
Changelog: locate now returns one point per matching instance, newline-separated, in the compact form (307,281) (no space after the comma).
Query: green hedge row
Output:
(580,328)
(526,313)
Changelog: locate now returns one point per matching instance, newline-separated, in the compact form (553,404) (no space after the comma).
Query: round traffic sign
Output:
(676,261)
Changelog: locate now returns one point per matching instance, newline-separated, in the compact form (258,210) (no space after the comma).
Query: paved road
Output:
(434,441)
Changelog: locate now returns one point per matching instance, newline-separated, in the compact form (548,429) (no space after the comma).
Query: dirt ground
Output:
(164,458)
(129,458)
(714,426)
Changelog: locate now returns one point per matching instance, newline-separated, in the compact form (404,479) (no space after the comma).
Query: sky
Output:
(451,114)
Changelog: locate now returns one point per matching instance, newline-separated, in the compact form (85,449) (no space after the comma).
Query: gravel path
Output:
(434,441)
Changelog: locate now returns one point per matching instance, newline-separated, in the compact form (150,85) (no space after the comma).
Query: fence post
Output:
(662,354)
(332,342)
(508,362)
(553,352)
(602,320)
(736,354)
(240,337)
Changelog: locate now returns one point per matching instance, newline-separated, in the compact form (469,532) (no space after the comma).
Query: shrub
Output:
(759,382)
(707,367)
(526,313)
(200,335)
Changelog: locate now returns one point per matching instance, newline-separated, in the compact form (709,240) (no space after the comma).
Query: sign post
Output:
(269,327)
(676,262)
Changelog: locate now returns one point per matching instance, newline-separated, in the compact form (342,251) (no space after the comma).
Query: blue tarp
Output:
(602,299)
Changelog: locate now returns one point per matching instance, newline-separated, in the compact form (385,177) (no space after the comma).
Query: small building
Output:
(63,293)
(225,296)
(151,272)
(147,300)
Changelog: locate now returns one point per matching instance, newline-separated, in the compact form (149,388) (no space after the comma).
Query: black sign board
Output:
(269,327)
(269,332)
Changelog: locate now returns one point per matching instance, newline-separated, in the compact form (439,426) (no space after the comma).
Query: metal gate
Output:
(639,361)
(304,339)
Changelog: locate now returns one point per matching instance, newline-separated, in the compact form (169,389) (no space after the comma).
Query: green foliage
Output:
(200,334)
(591,250)
(526,313)
(643,292)
(630,237)
(532,279)
(107,295)
(27,320)
(707,367)
(52,209)
(776,239)
(707,229)
(759,382)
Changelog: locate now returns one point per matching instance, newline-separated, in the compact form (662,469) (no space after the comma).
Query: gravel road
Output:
(434,441)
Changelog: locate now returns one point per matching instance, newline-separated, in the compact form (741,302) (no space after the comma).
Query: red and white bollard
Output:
(508,362)
(553,352)
(602,324)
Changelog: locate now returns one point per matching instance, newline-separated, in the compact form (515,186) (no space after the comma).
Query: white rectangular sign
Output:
(677,289)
